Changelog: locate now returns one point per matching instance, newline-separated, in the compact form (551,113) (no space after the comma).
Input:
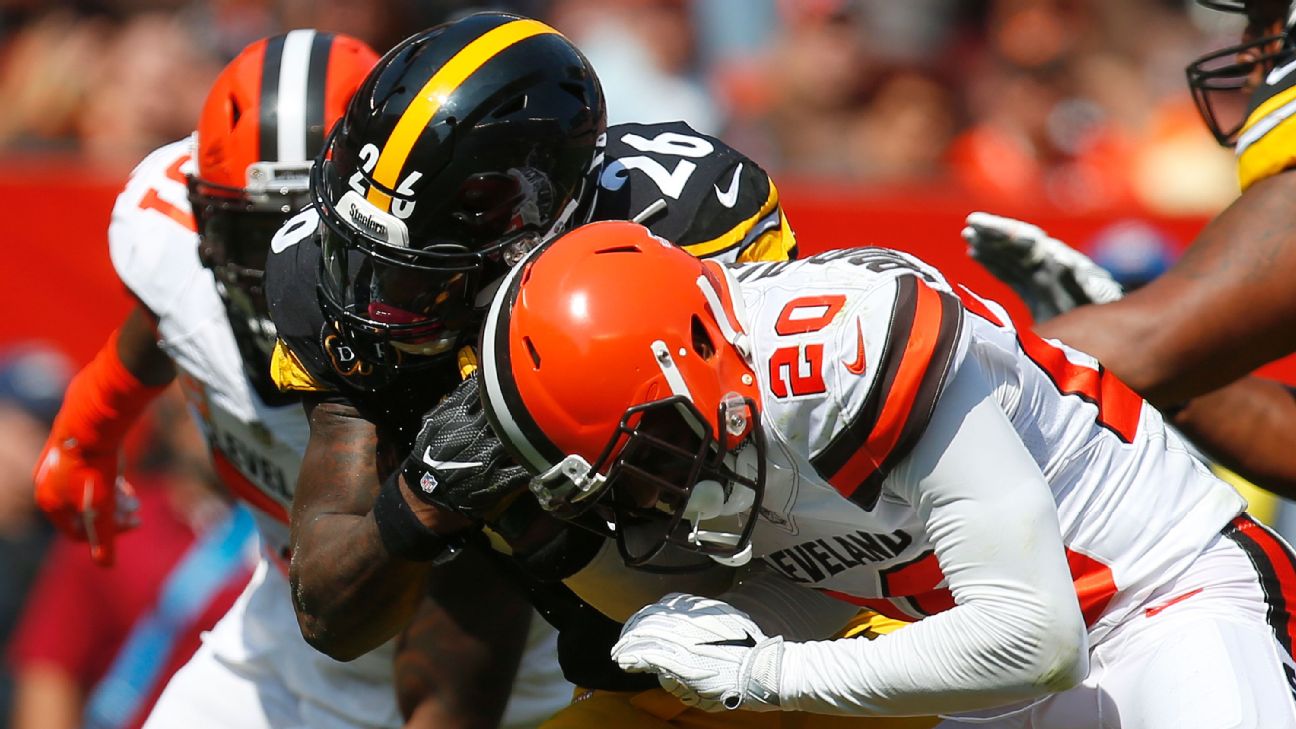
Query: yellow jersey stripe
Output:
(289,374)
(735,234)
(429,99)
(1268,155)
(1271,104)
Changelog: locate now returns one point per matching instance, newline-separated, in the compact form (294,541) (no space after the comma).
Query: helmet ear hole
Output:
(235,112)
(517,103)
(702,343)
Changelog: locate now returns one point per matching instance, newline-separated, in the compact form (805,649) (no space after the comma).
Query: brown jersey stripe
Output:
(922,340)
(1119,407)
(1276,566)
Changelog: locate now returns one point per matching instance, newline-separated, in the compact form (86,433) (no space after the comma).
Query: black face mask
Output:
(234,231)
(1218,84)
(660,454)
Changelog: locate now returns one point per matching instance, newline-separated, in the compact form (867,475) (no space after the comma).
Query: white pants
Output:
(1212,649)
(255,671)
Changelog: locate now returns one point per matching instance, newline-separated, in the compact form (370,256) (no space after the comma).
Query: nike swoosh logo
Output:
(1152,612)
(747,641)
(1279,72)
(729,198)
(446,465)
(857,367)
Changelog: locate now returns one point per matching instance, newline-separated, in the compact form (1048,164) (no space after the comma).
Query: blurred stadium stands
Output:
(884,122)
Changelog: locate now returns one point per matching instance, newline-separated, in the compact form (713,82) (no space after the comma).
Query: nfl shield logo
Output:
(428,482)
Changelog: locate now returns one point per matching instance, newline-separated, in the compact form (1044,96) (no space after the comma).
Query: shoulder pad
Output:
(866,340)
(694,190)
(1267,143)
(151,236)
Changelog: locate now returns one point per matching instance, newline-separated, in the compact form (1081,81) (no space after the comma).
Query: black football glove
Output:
(458,463)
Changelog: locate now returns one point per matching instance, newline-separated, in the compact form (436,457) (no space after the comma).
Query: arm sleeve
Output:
(1015,632)
(782,607)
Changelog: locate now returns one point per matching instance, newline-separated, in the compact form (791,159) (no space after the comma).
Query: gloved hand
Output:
(1050,276)
(705,652)
(458,463)
(84,495)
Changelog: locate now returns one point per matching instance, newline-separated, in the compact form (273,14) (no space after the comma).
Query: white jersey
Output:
(853,349)
(256,449)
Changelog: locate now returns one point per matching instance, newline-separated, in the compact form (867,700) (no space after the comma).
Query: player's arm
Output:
(1223,310)
(1247,427)
(457,658)
(1015,631)
(1152,338)
(76,478)
(350,592)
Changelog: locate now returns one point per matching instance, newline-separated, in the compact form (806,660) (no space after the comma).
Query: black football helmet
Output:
(466,146)
(1219,79)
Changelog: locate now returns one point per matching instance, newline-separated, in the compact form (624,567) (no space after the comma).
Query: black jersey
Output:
(686,187)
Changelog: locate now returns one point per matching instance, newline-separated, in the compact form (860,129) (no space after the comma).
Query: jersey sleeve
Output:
(891,354)
(1267,143)
(694,190)
(1015,632)
(300,362)
(152,237)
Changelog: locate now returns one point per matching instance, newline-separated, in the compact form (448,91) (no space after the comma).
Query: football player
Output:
(1226,306)
(858,429)
(468,145)
(189,237)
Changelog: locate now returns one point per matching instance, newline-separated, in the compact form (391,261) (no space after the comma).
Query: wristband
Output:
(102,402)
(402,533)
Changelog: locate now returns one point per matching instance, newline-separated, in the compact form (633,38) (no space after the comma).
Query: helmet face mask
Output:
(1221,81)
(392,299)
(665,470)
(1221,84)
(234,234)
(448,167)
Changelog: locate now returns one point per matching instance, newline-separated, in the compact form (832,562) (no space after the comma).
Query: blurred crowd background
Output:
(1078,107)
(1082,101)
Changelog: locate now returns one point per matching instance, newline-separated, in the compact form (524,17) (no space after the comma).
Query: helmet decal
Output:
(292,92)
(417,115)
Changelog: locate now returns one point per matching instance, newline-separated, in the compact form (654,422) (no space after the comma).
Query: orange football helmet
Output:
(262,125)
(616,368)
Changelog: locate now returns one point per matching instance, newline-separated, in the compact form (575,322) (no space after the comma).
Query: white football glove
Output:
(706,653)
(1050,276)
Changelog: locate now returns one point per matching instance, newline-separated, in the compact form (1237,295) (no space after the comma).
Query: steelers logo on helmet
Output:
(665,447)
(468,145)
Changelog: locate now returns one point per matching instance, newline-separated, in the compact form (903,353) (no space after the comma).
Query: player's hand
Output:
(458,463)
(84,496)
(706,653)
(1050,276)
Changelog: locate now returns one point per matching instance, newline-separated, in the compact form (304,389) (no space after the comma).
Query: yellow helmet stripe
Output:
(429,99)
